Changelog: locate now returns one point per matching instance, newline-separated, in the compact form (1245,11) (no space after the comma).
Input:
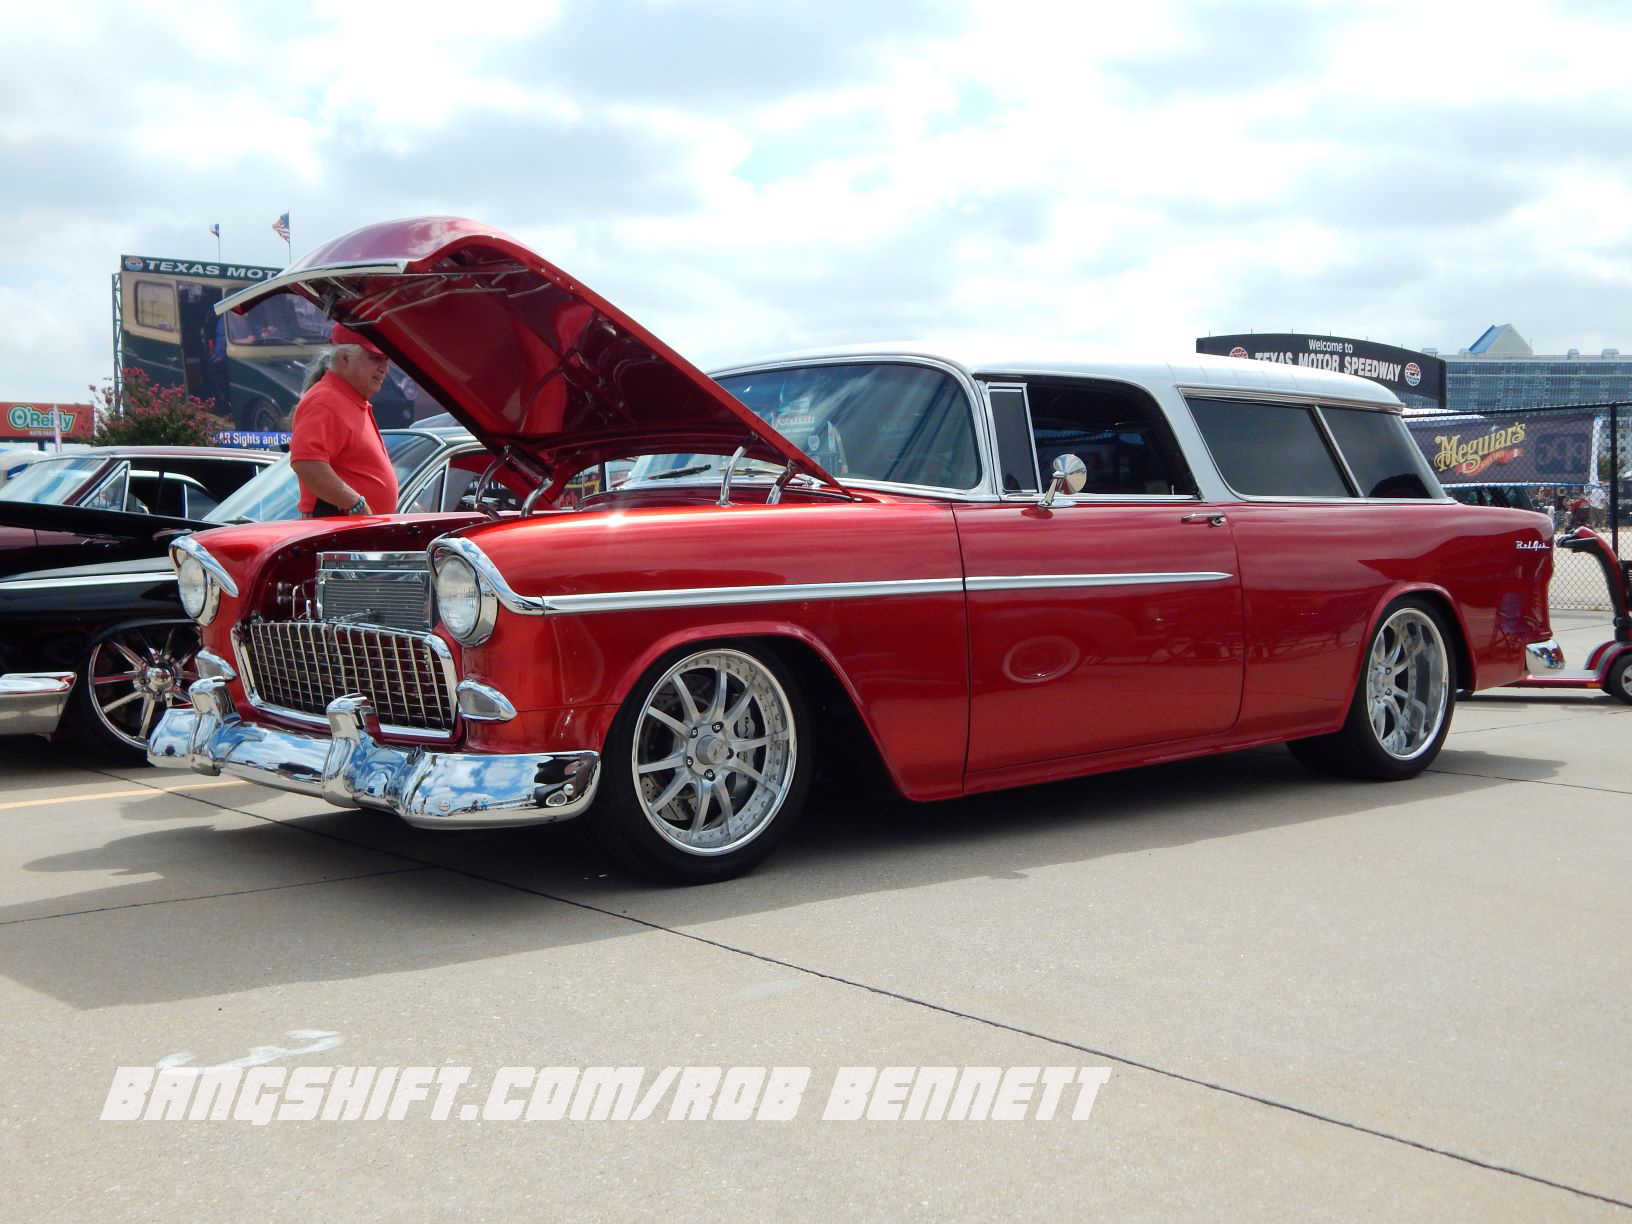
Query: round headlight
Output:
(458,597)
(194,586)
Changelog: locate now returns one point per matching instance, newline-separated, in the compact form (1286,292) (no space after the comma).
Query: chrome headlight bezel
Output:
(188,552)
(457,583)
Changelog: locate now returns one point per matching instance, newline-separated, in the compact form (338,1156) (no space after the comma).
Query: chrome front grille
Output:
(304,665)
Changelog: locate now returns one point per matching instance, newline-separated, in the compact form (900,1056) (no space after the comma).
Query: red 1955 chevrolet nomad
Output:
(992,569)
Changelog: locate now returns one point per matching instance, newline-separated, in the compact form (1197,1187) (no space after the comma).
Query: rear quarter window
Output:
(1380,453)
(1269,450)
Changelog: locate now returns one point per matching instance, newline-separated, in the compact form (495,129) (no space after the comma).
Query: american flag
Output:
(216,229)
(280,227)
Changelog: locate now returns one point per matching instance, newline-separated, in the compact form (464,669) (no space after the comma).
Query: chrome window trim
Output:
(438,647)
(1305,399)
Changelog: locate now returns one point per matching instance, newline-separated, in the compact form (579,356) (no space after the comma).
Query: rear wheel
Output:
(129,677)
(706,767)
(1402,705)
(1618,680)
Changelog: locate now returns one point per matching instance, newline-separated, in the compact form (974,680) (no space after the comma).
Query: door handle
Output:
(1212,520)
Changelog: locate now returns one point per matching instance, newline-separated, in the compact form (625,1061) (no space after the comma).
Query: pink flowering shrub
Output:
(150,415)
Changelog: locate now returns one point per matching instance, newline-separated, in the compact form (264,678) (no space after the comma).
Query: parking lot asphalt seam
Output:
(939,1008)
(1462,773)
(237,892)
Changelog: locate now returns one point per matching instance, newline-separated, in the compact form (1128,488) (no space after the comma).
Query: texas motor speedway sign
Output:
(1402,371)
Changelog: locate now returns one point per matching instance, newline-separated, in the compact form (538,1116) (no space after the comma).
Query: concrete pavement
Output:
(1317,999)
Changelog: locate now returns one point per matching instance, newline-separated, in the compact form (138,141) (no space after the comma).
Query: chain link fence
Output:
(1603,503)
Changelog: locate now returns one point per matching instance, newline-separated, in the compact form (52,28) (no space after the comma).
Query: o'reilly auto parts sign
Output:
(1403,371)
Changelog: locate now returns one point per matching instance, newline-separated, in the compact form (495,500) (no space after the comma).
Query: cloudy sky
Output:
(752,175)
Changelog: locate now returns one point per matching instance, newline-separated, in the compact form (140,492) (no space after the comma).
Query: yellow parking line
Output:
(124,794)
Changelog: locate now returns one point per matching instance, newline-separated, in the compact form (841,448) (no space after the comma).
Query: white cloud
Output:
(742,176)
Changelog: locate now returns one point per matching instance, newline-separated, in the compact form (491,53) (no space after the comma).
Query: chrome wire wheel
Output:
(135,674)
(714,753)
(1407,684)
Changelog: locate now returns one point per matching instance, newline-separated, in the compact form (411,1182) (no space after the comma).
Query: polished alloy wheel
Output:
(1407,684)
(136,674)
(714,752)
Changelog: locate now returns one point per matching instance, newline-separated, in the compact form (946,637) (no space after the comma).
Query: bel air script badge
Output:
(1532,545)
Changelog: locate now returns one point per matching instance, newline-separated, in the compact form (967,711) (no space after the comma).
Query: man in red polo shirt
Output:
(336,451)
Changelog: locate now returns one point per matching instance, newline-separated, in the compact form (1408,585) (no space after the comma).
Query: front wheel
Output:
(1402,705)
(706,766)
(129,677)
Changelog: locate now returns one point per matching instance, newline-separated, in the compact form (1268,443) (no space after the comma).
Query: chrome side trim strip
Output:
(694,597)
(1035,582)
(55,584)
(705,597)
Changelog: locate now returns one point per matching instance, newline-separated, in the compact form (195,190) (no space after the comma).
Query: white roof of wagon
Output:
(1190,370)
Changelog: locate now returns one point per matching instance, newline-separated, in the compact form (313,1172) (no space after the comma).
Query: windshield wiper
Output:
(685,471)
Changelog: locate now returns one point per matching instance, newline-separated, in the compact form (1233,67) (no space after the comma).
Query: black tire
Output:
(705,729)
(263,416)
(1402,705)
(1618,680)
(130,674)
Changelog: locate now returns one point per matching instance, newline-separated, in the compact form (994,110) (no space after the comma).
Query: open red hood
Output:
(518,350)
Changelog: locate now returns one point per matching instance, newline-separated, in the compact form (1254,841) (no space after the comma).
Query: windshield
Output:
(907,424)
(51,482)
(281,320)
(275,493)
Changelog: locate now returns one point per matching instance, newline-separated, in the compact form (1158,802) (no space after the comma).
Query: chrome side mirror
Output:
(1070,476)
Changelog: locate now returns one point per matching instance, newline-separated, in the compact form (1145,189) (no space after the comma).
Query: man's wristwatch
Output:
(360,506)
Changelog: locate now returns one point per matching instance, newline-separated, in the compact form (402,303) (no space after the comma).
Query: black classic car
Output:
(93,640)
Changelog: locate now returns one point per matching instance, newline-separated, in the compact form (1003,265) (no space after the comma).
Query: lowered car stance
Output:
(991,569)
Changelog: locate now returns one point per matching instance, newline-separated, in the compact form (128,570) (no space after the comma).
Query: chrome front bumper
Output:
(32,703)
(350,767)
(1544,657)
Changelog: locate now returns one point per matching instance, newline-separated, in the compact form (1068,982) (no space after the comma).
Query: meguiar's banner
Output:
(1517,448)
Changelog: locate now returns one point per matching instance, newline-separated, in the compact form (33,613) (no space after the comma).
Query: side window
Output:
(1380,453)
(1269,450)
(1016,460)
(1117,431)
(460,481)
(112,493)
(429,498)
(156,305)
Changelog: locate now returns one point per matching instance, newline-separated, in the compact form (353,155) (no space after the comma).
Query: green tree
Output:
(150,415)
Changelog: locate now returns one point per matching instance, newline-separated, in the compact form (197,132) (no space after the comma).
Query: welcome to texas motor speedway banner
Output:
(1521,448)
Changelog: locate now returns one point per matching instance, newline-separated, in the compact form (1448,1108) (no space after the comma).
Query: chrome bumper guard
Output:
(351,768)
(1544,657)
(32,703)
